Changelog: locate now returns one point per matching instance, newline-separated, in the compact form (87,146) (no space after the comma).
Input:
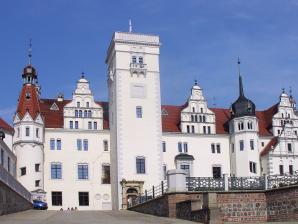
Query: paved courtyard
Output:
(86,217)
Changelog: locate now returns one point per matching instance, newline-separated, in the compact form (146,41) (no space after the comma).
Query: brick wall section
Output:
(242,207)
(282,204)
(11,202)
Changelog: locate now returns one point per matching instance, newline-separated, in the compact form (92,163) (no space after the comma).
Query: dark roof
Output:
(184,156)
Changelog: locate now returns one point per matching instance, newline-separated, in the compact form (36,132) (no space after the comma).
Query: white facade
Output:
(94,155)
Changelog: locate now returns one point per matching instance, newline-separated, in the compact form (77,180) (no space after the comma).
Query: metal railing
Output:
(246,183)
(205,184)
(12,183)
(276,181)
(154,192)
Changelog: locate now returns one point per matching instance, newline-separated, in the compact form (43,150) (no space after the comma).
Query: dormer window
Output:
(202,110)
(87,104)
(78,104)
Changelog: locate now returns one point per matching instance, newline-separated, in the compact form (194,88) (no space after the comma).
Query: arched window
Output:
(85,113)
(80,113)
(78,104)
(76,113)
(204,119)
(200,118)
(202,110)
(89,113)
(193,109)
(87,104)
(192,118)
(196,118)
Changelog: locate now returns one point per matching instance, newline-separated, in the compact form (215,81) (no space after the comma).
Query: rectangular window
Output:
(56,198)
(134,59)
(56,171)
(140,164)
(37,132)
(83,171)
(252,144)
(185,168)
(192,129)
(289,147)
(233,147)
(87,104)
(71,124)
(85,144)
(263,144)
(78,104)
(216,171)
(281,169)
(141,60)
(209,130)
(291,170)
(83,198)
(204,129)
(187,128)
(79,144)
(180,147)
(241,145)
(106,174)
(185,147)
(212,148)
(59,144)
(8,164)
(27,131)
(252,167)
(2,157)
(89,125)
(139,112)
(37,167)
(105,145)
(76,125)
(37,183)
(95,125)
(23,171)
(218,148)
(164,146)
(164,172)
(52,144)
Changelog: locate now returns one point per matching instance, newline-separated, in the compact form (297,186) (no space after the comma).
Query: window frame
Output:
(139,111)
(58,198)
(140,165)
(83,171)
(56,170)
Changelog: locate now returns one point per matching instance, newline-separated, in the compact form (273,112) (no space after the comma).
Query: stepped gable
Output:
(5,126)
(54,118)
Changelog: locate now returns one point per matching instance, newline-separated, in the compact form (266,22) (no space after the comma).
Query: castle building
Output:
(96,155)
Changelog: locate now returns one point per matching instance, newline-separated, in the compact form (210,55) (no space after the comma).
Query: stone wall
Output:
(11,202)
(242,207)
(218,207)
(282,204)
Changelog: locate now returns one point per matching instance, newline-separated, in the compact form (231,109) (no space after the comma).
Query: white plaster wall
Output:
(8,153)
(199,146)
(69,157)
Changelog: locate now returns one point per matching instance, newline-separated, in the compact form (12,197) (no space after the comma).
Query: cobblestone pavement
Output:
(86,217)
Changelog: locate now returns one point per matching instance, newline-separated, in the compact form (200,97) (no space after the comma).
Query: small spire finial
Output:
(130,25)
(196,82)
(238,64)
(290,91)
(283,90)
(82,75)
(30,51)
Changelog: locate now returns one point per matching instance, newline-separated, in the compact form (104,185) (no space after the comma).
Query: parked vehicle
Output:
(40,205)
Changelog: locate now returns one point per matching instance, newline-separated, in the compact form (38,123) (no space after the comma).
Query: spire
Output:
(130,25)
(30,51)
(241,92)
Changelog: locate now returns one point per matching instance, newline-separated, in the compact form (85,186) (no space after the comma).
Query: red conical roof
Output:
(28,101)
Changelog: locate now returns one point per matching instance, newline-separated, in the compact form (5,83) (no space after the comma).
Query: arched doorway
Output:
(130,190)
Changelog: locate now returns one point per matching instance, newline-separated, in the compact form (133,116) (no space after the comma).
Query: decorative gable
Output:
(54,107)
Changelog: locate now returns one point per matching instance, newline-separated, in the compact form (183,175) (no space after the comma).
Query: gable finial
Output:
(290,91)
(30,51)
(241,92)
(130,25)
(196,82)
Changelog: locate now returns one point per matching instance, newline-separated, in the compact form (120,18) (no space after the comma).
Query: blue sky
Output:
(201,39)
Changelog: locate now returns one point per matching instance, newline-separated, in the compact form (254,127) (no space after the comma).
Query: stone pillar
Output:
(176,180)
(266,181)
(226,181)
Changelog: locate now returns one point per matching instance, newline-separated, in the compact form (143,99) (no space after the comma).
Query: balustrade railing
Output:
(246,183)
(275,181)
(205,184)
